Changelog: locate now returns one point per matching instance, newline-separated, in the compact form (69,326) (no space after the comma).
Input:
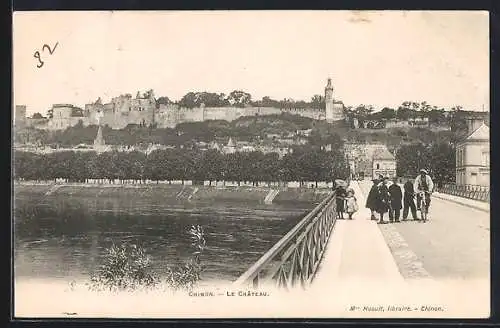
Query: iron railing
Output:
(481,193)
(294,259)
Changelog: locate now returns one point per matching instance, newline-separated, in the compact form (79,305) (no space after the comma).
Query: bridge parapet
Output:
(481,193)
(294,259)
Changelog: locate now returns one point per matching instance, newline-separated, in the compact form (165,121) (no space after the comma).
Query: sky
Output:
(380,58)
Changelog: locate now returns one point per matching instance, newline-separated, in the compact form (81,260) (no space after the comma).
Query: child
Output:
(340,197)
(351,203)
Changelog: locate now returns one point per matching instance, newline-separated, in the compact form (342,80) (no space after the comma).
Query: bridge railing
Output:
(294,259)
(481,193)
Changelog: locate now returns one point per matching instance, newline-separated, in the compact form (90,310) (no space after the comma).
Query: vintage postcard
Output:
(251,164)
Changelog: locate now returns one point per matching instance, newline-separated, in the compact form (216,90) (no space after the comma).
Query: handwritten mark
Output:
(44,47)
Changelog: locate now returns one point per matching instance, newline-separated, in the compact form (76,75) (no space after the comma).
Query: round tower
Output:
(334,111)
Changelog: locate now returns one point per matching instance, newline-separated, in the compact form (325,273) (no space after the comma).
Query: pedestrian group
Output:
(386,197)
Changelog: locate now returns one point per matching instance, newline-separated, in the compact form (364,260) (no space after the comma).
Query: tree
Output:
(317,101)
(268,102)
(387,113)
(270,167)
(411,158)
(437,157)
(213,166)
(154,169)
(362,112)
(442,167)
(37,116)
(163,101)
(437,116)
(239,98)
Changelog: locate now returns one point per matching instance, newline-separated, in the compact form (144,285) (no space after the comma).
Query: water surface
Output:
(64,235)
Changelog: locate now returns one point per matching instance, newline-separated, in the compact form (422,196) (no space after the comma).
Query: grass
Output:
(247,194)
(128,267)
(300,195)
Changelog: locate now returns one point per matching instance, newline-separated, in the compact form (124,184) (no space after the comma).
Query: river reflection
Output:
(64,237)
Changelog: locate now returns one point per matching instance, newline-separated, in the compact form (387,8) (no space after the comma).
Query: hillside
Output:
(244,128)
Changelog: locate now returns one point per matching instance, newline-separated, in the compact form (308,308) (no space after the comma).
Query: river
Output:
(64,236)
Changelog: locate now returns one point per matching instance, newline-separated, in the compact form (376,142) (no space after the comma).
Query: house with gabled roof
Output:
(383,163)
(473,158)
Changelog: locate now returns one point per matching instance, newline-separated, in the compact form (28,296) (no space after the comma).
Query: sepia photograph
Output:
(251,164)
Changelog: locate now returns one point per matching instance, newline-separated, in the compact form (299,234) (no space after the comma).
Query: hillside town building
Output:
(64,116)
(473,155)
(383,164)
(361,157)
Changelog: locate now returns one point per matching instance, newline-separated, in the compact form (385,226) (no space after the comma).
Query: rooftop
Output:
(383,154)
(481,133)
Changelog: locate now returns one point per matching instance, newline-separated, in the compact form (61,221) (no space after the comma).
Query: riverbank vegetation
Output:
(128,267)
(180,165)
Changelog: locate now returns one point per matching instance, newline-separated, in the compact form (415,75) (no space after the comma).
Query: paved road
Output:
(455,243)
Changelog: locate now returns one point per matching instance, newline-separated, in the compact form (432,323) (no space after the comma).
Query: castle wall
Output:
(190,115)
(63,123)
(37,123)
(20,116)
(122,111)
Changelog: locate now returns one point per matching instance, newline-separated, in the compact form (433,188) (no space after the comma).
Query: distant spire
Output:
(329,84)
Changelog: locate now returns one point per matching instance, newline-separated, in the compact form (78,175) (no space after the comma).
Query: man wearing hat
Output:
(423,182)
(384,199)
(409,200)
(396,200)
(372,199)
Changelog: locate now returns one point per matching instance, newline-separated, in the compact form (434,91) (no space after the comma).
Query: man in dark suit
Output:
(409,202)
(396,200)
(372,199)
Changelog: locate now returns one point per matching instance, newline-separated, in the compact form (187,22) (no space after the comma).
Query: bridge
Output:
(321,249)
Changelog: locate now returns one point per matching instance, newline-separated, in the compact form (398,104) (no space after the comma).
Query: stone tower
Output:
(333,111)
(329,101)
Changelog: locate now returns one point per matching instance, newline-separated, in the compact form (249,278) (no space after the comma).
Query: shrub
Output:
(188,275)
(127,267)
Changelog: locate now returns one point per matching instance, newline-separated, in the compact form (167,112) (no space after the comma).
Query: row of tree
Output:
(240,98)
(438,158)
(406,111)
(175,164)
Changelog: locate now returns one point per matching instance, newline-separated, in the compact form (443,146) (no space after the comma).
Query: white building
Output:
(383,163)
(473,157)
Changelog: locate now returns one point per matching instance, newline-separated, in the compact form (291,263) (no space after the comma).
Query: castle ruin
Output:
(143,110)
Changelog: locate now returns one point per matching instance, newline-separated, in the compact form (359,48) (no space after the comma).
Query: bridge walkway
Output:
(357,252)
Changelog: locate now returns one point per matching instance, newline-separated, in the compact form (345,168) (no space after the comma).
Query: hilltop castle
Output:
(144,110)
